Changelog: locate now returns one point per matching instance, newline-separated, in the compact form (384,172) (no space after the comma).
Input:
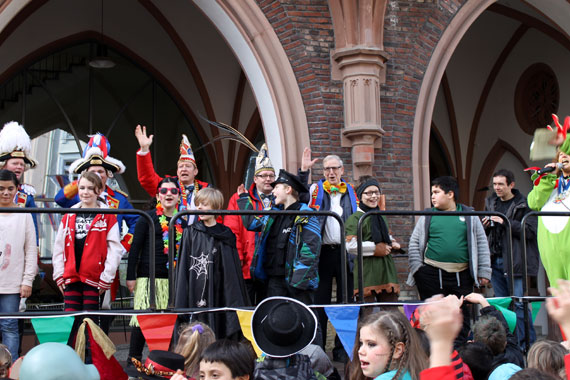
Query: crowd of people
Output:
(250,259)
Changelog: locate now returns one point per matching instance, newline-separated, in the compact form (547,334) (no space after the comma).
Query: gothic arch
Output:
(451,37)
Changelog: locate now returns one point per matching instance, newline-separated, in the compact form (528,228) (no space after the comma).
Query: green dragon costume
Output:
(551,192)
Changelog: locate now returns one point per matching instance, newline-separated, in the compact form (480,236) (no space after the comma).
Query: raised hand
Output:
(144,140)
(306,162)
(558,307)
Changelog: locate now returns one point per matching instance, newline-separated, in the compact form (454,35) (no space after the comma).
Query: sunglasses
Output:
(166,190)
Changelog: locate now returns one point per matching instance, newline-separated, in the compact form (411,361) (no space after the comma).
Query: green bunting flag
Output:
(535,309)
(502,304)
(53,329)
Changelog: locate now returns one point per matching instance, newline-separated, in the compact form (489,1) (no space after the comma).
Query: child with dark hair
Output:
(448,254)
(479,357)
(227,360)
(138,270)
(209,272)
(387,348)
(18,260)
(491,329)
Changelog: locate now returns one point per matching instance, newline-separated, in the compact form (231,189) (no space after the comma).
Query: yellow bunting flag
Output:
(244,317)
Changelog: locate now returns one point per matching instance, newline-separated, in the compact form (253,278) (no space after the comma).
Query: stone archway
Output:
(453,34)
(269,72)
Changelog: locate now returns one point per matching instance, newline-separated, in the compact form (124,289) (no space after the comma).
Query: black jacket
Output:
(497,237)
(209,275)
(139,258)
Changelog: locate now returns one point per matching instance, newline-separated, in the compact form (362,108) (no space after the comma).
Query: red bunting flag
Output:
(157,330)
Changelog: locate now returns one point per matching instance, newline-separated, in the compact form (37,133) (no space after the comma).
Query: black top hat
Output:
(291,180)
(283,326)
(158,365)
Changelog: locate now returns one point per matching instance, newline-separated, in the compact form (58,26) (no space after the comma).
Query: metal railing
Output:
(319,214)
(425,213)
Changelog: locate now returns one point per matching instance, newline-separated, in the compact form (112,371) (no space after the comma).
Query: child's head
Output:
(168,192)
(479,358)
(5,359)
(386,341)
(89,186)
(532,374)
(444,192)
(227,360)
(8,188)
(209,198)
(490,331)
(286,188)
(193,339)
(547,356)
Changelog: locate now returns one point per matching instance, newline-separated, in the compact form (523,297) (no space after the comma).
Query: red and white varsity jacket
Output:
(101,254)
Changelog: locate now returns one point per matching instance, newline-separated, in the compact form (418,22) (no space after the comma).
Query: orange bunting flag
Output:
(157,330)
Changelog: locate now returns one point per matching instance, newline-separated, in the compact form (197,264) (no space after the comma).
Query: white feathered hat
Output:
(15,143)
(96,153)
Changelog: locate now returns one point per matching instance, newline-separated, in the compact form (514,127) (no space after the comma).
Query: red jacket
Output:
(148,178)
(438,373)
(101,254)
(245,240)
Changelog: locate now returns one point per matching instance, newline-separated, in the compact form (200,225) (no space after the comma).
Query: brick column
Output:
(360,63)
(362,72)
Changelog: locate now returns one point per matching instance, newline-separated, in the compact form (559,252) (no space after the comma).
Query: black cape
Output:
(209,275)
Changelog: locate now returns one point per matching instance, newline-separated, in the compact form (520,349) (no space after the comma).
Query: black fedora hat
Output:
(291,180)
(283,326)
(158,365)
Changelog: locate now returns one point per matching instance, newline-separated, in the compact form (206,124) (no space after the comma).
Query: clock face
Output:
(537,97)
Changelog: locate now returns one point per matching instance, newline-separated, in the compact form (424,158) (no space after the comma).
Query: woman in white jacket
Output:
(18,260)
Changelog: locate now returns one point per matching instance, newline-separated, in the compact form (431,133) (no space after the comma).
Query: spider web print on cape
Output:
(200,266)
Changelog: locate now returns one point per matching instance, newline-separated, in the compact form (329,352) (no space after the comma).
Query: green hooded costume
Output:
(552,193)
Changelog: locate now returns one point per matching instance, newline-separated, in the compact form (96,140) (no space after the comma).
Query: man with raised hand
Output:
(186,170)
(334,194)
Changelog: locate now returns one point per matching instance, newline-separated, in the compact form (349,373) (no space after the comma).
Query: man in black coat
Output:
(509,201)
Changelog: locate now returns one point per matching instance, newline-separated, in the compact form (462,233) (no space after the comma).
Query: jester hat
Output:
(186,153)
(262,161)
(15,143)
(96,153)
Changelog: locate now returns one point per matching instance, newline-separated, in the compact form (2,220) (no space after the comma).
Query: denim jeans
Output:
(9,303)
(501,287)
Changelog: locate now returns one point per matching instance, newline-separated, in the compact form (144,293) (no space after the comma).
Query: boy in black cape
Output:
(209,271)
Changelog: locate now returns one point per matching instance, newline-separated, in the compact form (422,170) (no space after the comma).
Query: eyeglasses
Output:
(266,176)
(371,193)
(166,190)
(332,168)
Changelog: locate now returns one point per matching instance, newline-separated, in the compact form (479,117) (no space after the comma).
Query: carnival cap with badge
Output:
(291,180)
(55,361)
(262,161)
(283,326)
(96,153)
(15,143)
(158,365)
(186,153)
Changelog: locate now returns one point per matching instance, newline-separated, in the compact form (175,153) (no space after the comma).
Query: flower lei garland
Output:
(164,226)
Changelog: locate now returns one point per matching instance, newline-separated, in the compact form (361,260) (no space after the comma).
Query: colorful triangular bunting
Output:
(502,304)
(53,329)
(157,330)
(344,320)
(244,317)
